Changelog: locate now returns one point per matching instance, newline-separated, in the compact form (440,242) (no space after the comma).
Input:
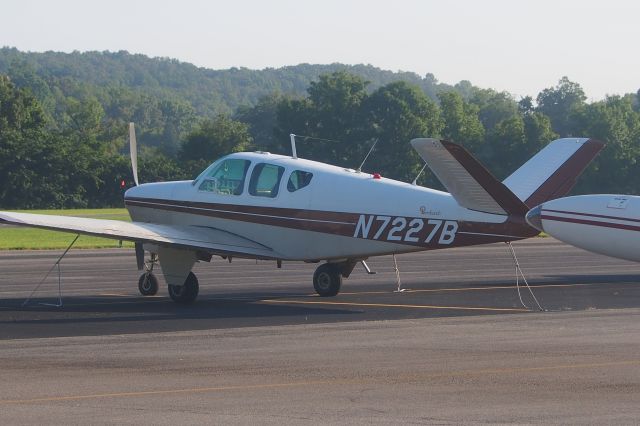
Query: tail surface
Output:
(553,171)
(468,181)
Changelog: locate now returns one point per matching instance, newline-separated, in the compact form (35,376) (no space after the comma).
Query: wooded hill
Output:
(208,91)
(63,121)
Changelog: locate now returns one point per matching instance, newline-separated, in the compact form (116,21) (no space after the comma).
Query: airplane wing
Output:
(200,238)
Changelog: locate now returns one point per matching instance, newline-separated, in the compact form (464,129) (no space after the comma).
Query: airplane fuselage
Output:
(338,214)
(604,224)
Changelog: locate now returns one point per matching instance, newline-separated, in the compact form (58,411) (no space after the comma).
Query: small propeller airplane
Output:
(259,205)
(603,224)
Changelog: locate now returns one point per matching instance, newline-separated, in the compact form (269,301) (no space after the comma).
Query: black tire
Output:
(186,293)
(327,280)
(148,284)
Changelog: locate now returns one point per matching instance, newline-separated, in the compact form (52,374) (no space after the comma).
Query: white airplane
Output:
(259,205)
(604,224)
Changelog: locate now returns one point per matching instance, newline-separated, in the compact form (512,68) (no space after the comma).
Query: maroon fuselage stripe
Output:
(591,222)
(602,216)
(337,223)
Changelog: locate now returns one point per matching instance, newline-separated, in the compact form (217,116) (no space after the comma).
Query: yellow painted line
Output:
(116,295)
(461,373)
(545,368)
(391,305)
(435,290)
(162,392)
(128,295)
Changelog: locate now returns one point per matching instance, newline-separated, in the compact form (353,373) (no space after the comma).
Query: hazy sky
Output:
(518,46)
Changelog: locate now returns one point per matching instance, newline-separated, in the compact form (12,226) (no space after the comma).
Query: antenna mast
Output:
(294,154)
(419,173)
(359,169)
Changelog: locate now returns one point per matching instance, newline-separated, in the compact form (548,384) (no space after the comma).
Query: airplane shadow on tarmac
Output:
(95,315)
(130,313)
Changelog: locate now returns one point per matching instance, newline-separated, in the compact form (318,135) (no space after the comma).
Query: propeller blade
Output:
(133,149)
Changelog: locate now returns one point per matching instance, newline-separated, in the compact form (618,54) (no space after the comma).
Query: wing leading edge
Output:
(207,239)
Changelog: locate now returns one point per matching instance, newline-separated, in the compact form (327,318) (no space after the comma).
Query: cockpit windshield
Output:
(227,178)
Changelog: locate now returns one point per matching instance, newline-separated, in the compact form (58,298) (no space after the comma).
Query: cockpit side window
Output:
(265,180)
(227,178)
(298,180)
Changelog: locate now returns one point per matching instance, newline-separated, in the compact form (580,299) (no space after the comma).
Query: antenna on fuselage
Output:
(415,181)
(359,169)
(294,154)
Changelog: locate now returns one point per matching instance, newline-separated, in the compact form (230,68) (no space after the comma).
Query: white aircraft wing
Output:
(200,238)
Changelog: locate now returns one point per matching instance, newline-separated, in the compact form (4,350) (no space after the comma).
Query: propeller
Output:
(133,149)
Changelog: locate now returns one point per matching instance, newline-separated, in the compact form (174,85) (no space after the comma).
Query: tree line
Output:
(72,153)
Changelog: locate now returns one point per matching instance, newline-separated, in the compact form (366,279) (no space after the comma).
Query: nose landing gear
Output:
(148,283)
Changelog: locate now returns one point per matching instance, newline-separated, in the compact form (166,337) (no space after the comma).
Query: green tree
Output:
(262,121)
(560,103)
(493,107)
(178,119)
(331,114)
(211,140)
(525,105)
(83,119)
(395,114)
(538,133)
(505,142)
(514,141)
(461,121)
(32,165)
(615,122)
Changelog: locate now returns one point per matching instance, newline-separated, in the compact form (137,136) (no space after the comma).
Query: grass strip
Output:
(23,238)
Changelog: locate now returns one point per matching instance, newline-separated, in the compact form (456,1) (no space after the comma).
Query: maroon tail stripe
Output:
(560,183)
(496,189)
(592,223)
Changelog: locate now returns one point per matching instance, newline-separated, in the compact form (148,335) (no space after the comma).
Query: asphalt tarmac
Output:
(258,346)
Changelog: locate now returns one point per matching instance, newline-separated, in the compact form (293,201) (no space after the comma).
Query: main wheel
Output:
(327,280)
(148,284)
(187,292)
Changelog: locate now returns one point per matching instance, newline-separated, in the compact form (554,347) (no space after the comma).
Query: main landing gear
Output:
(184,294)
(327,279)
(187,292)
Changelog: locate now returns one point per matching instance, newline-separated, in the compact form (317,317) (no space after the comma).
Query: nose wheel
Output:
(148,284)
(327,280)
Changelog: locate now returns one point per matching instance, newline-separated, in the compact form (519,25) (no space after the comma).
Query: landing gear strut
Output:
(148,283)
(187,292)
(327,279)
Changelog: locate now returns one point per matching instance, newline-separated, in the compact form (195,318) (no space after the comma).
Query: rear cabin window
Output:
(227,178)
(298,180)
(265,180)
